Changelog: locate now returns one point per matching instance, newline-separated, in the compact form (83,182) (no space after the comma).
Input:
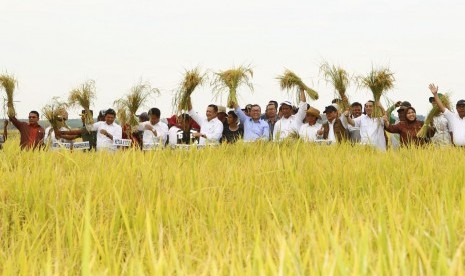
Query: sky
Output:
(52,46)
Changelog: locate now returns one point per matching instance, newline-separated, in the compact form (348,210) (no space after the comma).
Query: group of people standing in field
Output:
(357,124)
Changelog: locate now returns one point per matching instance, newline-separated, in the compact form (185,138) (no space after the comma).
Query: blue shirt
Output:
(253,130)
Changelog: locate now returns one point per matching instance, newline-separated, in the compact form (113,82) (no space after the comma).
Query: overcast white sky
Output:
(52,46)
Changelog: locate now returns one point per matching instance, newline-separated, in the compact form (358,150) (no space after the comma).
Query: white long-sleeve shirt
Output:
(371,131)
(148,137)
(103,142)
(212,129)
(285,126)
(457,126)
(308,133)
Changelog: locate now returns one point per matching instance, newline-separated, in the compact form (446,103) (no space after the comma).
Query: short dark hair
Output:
(354,104)
(35,112)
(110,111)
(215,108)
(275,103)
(232,113)
(256,105)
(154,111)
(185,117)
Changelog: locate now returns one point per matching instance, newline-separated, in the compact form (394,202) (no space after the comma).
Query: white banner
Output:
(122,142)
(59,145)
(81,145)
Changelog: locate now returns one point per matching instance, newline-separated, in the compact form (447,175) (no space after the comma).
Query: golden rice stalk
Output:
(192,78)
(435,111)
(122,114)
(230,80)
(340,79)
(54,112)
(290,81)
(131,102)
(83,97)
(9,83)
(378,81)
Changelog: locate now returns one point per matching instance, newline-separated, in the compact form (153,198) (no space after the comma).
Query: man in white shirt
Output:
(107,131)
(355,112)
(456,120)
(308,131)
(154,131)
(211,129)
(289,124)
(371,129)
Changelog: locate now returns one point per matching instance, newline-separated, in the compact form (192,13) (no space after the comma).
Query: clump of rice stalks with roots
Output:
(128,105)
(9,83)
(192,79)
(83,96)
(340,79)
(55,112)
(435,111)
(379,81)
(291,82)
(230,80)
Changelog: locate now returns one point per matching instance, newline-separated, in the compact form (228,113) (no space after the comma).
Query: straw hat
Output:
(314,112)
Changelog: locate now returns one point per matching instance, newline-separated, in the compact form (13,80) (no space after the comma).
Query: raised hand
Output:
(433,88)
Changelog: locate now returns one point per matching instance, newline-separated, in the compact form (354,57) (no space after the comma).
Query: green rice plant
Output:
(379,81)
(340,79)
(291,82)
(191,79)
(8,82)
(230,80)
(435,111)
(83,96)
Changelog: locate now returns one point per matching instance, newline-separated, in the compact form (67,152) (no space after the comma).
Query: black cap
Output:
(461,102)
(431,99)
(330,108)
(406,104)
(84,112)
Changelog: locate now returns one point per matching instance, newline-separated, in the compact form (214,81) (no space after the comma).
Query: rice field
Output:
(254,209)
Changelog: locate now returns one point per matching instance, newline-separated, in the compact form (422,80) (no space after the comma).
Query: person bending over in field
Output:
(371,128)
(181,133)
(335,128)
(408,129)
(456,120)
(289,123)
(254,127)
(31,133)
(211,129)
(154,131)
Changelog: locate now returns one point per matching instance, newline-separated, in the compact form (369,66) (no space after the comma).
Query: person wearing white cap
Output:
(289,123)
(456,120)
(211,129)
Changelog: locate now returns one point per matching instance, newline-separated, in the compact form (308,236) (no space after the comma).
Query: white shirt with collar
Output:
(212,129)
(371,131)
(457,126)
(50,136)
(308,133)
(103,142)
(285,126)
(148,137)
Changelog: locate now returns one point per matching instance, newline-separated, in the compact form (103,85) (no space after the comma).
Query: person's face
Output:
(401,113)
(356,111)
(255,113)
(109,119)
(411,115)
(286,111)
(33,118)
(461,110)
(310,119)
(222,116)
(211,114)
(369,108)
(271,111)
(154,119)
(331,115)
(231,120)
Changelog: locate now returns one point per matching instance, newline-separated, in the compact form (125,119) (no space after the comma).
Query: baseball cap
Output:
(287,103)
(330,108)
(431,99)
